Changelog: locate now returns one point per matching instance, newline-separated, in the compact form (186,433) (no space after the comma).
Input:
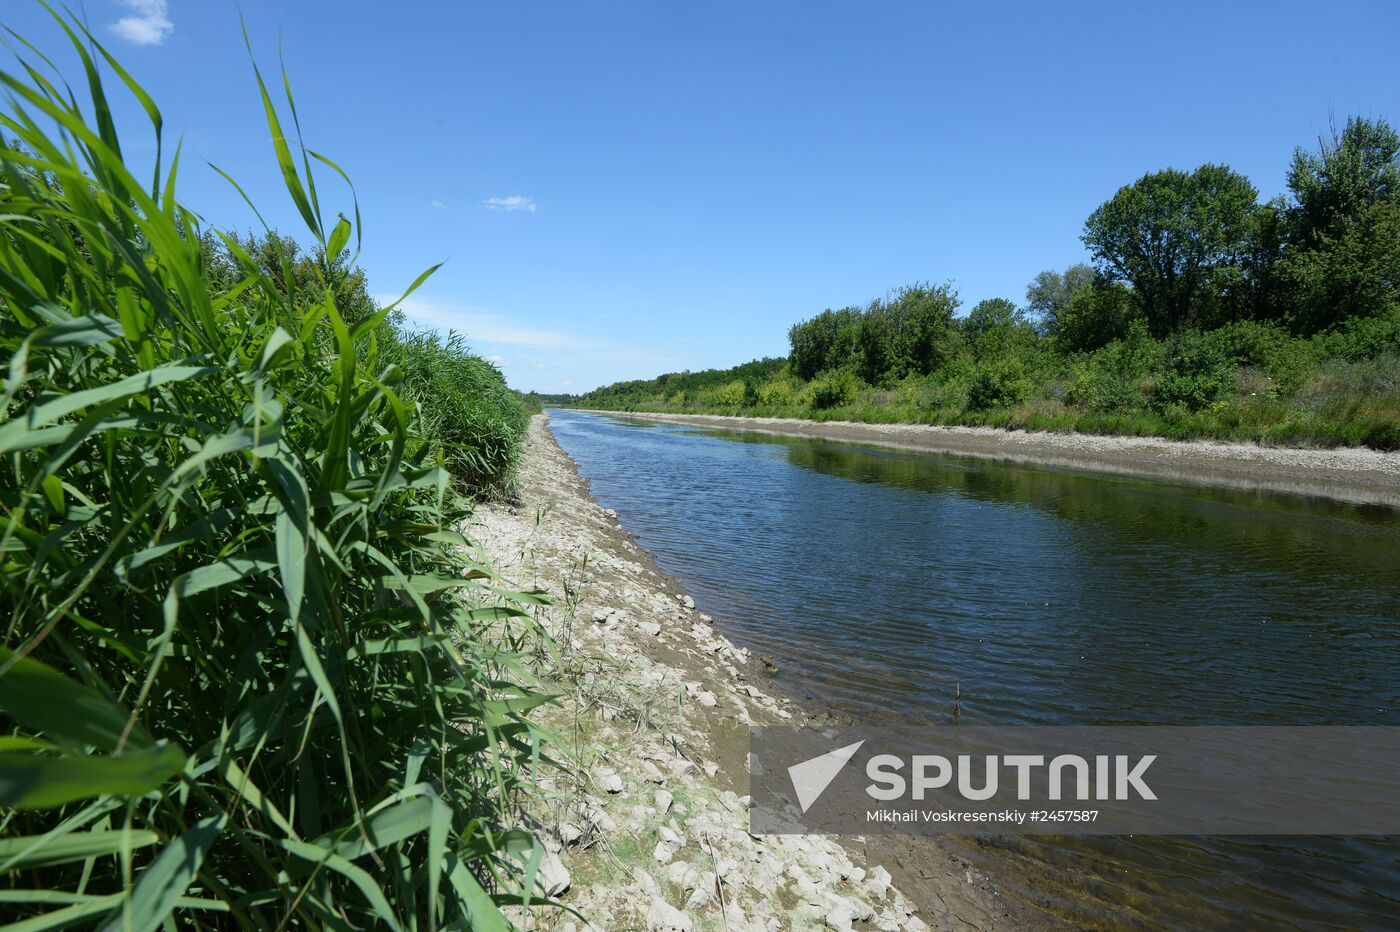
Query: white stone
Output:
(611,783)
(570,834)
(553,876)
(840,918)
(663,801)
(649,628)
(646,882)
(663,917)
(878,882)
(699,898)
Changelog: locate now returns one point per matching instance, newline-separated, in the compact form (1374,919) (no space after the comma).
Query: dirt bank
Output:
(1353,475)
(647,823)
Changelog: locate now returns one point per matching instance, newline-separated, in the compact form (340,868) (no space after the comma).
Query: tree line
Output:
(1202,311)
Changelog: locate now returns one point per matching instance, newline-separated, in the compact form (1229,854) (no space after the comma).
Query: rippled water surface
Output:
(882,582)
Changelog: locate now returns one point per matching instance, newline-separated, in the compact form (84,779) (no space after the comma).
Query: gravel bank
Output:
(646,824)
(1354,475)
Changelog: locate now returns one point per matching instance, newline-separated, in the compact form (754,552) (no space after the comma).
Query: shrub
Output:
(834,390)
(1001,384)
(1363,337)
(1248,343)
(467,412)
(728,395)
(777,394)
(1197,375)
(235,668)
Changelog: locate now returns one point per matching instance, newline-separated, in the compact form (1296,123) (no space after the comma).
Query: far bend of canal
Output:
(880,581)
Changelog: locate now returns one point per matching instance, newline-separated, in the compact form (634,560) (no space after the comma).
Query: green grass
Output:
(474,420)
(248,678)
(1327,391)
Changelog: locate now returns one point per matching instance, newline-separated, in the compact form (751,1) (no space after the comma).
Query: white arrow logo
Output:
(811,777)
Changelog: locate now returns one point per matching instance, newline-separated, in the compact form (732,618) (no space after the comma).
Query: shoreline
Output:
(646,824)
(1350,474)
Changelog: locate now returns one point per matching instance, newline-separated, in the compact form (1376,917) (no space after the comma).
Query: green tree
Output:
(923,332)
(824,342)
(1095,316)
(1339,184)
(997,327)
(1050,291)
(1344,224)
(1355,274)
(281,258)
(1169,235)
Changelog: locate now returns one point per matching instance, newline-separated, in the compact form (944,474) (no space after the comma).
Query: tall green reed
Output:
(240,684)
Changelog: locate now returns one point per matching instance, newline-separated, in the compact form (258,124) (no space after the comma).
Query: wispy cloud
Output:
(148,24)
(535,355)
(437,205)
(514,202)
(481,326)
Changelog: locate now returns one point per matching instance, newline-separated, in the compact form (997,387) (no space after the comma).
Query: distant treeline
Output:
(1204,312)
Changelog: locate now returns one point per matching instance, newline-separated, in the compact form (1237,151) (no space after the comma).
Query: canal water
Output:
(885,584)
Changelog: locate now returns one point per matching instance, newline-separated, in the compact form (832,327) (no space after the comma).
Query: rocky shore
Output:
(646,824)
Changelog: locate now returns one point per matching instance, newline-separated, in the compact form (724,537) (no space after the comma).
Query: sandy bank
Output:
(646,825)
(1354,475)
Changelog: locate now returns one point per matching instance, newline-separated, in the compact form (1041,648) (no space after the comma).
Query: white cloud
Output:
(514,202)
(484,326)
(536,356)
(495,359)
(148,24)
(438,205)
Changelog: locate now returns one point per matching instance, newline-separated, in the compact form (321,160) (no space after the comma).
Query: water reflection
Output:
(881,581)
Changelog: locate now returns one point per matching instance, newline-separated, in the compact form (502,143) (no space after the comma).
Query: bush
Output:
(1363,338)
(467,413)
(777,394)
(729,395)
(240,672)
(834,390)
(1198,374)
(1248,343)
(1002,384)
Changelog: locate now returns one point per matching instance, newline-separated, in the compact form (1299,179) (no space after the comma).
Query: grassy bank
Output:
(1206,313)
(247,677)
(1244,381)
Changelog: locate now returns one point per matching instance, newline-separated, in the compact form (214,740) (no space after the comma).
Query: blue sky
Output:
(621,189)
